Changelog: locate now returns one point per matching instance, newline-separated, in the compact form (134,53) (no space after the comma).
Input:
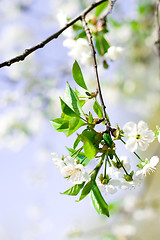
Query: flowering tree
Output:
(87,39)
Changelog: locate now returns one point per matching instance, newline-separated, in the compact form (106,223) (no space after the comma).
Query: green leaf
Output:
(81,157)
(102,45)
(107,138)
(98,109)
(81,97)
(58,122)
(74,124)
(77,141)
(73,191)
(77,75)
(90,119)
(85,191)
(60,125)
(89,149)
(98,201)
(72,100)
(67,110)
(100,8)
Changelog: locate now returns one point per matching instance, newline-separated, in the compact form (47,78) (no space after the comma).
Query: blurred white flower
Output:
(113,53)
(159,138)
(80,50)
(124,230)
(139,136)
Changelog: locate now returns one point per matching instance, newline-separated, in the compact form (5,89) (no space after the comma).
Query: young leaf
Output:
(77,141)
(61,125)
(107,138)
(85,191)
(67,110)
(73,191)
(58,122)
(90,119)
(81,97)
(100,8)
(98,201)
(77,75)
(89,149)
(74,124)
(102,45)
(72,100)
(81,156)
(98,109)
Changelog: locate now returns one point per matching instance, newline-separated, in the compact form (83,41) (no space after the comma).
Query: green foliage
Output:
(89,148)
(100,8)
(98,201)
(77,75)
(98,109)
(79,156)
(72,101)
(73,191)
(85,191)
(107,138)
(101,44)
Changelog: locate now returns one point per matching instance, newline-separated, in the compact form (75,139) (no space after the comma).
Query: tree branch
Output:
(89,36)
(158,31)
(54,36)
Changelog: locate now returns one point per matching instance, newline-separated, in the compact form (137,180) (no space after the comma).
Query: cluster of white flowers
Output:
(116,178)
(70,169)
(79,48)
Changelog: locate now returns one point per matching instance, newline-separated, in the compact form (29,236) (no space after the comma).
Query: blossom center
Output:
(138,136)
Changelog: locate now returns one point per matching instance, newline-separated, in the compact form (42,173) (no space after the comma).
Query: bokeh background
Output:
(31,206)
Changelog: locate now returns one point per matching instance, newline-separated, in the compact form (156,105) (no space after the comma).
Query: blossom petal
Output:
(142,125)
(131,144)
(142,145)
(154,161)
(130,128)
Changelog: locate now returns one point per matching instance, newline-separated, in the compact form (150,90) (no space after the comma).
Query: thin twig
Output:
(158,31)
(108,9)
(89,36)
(54,36)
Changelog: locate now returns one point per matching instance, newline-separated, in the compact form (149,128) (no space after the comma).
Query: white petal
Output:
(130,128)
(131,144)
(114,182)
(154,161)
(67,171)
(150,136)
(142,145)
(159,138)
(111,189)
(142,125)
(69,160)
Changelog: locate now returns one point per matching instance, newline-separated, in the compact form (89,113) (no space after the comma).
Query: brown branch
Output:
(54,36)
(158,31)
(89,36)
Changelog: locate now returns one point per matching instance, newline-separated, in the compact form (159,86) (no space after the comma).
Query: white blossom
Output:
(79,50)
(73,171)
(159,138)
(113,53)
(110,187)
(149,167)
(57,160)
(139,136)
